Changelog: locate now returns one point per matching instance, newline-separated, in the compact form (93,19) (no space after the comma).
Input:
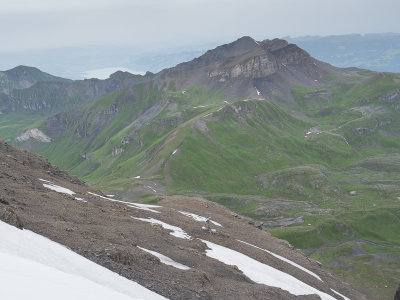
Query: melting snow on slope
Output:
(176,231)
(44,180)
(80,199)
(56,188)
(262,273)
(130,204)
(151,188)
(198,218)
(284,259)
(34,267)
(144,207)
(166,260)
(337,293)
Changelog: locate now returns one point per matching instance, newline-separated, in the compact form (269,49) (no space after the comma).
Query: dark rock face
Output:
(397,295)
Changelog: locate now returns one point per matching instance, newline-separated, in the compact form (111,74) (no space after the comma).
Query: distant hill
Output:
(23,77)
(379,52)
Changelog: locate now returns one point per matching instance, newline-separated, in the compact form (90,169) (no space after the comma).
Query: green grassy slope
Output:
(321,171)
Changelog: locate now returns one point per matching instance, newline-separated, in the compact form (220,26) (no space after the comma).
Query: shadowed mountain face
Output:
(263,128)
(171,256)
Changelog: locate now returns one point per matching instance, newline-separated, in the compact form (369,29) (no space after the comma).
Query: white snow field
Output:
(198,218)
(34,267)
(165,259)
(144,207)
(56,188)
(80,199)
(130,204)
(175,231)
(262,273)
(285,260)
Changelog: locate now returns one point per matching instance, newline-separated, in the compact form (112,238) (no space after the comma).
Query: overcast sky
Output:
(38,24)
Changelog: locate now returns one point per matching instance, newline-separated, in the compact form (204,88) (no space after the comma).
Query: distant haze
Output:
(149,24)
(92,38)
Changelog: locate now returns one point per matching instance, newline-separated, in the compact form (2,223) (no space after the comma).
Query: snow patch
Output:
(285,260)
(176,231)
(198,218)
(44,180)
(151,188)
(110,199)
(207,229)
(47,270)
(130,204)
(33,133)
(80,199)
(144,207)
(262,273)
(165,259)
(57,188)
(337,293)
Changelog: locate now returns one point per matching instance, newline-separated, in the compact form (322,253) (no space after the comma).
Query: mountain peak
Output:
(245,40)
(238,47)
(273,45)
(22,77)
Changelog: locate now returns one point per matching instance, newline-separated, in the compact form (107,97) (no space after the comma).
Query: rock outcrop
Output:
(33,133)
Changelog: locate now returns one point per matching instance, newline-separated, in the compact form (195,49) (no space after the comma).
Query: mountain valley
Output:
(118,235)
(307,151)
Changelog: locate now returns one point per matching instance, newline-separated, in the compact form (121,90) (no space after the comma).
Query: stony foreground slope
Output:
(118,235)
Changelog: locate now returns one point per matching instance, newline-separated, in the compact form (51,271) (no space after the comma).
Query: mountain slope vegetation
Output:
(153,251)
(309,150)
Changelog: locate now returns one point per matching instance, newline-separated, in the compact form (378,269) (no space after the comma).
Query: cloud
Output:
(48,6)
(27,24)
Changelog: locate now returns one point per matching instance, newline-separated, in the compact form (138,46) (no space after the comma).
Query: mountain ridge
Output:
(307,149)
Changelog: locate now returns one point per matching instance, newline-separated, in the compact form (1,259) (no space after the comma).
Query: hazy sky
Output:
(33,24)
